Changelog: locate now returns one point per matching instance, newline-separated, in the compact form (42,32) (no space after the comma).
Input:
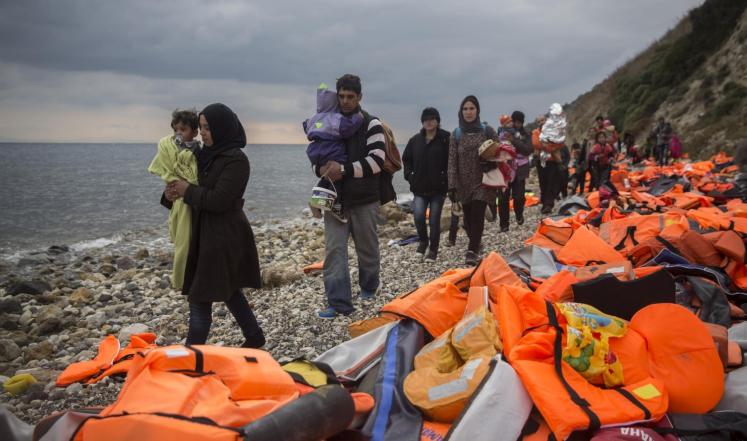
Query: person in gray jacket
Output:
(523,144)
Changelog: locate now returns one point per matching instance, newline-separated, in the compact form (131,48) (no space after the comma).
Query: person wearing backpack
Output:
(523,144)
(366,185)
(465,173)
(426,160)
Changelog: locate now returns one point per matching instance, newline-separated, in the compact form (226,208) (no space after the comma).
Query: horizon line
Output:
(128,142)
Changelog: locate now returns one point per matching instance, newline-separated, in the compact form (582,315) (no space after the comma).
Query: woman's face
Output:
(207,138)
(430,124)
(469,111)
(602,138)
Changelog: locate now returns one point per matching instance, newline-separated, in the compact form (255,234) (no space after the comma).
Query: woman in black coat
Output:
(222,254)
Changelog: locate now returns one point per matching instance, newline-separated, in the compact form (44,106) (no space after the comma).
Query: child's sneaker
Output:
(338,214)
(315,212)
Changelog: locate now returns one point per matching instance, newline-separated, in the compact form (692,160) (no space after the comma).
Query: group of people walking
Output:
(222,255)
(439,164)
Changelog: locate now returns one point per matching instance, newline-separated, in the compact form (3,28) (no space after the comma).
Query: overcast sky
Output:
(106,71)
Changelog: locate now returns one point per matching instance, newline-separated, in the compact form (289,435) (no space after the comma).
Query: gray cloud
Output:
(267,57)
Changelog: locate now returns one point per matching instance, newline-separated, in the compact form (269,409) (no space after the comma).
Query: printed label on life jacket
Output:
(177,353)
(647,392)
(615,270)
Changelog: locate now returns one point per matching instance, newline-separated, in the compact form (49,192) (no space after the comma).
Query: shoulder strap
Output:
(594,421)
(458,131)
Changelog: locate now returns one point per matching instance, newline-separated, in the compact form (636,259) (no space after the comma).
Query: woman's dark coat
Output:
(222,252)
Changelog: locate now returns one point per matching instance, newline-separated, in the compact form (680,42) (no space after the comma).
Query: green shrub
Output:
(636,98)
(734,95)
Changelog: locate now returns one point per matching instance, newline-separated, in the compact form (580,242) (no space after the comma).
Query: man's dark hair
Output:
(349,82)
(576,146)
(599,118)
(186,117)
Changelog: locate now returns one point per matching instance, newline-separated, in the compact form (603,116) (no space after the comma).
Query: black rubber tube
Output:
(317,415)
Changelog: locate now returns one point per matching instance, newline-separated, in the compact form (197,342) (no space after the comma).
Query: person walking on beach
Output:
(550,141)
(663,134)
(523,144)
(362,192)
(465,173)
(222,253)
(537,156)
(579,164)
(426,161)
(601,157)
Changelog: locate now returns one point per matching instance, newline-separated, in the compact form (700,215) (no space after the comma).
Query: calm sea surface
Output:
(69,193)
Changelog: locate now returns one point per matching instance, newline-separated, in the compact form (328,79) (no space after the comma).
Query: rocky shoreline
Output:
(56,306)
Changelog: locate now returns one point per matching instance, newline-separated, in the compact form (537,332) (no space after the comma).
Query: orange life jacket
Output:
(687,243)
(566,400)
(665,368)
(557,288)
(625,234)
(551,234)
(585,247)
(438,305)
(110,360)
(195,392)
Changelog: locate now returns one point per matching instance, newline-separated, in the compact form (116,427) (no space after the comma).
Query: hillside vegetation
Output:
(695,76)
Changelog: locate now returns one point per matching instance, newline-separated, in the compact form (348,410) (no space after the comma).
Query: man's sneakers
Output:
(546,210)
(330,313)
(422,246)
(520,220)
(504,229)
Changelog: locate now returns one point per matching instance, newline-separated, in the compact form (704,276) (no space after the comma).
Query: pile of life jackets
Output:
(208,392)
(621,316)
(618,315)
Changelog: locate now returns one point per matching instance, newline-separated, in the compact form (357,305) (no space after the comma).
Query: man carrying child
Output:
(360,198)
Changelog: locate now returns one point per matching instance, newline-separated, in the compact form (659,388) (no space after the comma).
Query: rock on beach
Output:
(107,291)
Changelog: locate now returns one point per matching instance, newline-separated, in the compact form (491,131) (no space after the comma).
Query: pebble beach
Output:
(56,306)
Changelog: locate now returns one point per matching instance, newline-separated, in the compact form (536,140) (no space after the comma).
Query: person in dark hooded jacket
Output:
(222,253)
(426,162)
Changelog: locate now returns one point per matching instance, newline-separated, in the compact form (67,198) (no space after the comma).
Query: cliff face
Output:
(695,76)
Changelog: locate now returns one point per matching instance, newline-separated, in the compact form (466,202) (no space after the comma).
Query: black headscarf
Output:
(474,126)
(226,131)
